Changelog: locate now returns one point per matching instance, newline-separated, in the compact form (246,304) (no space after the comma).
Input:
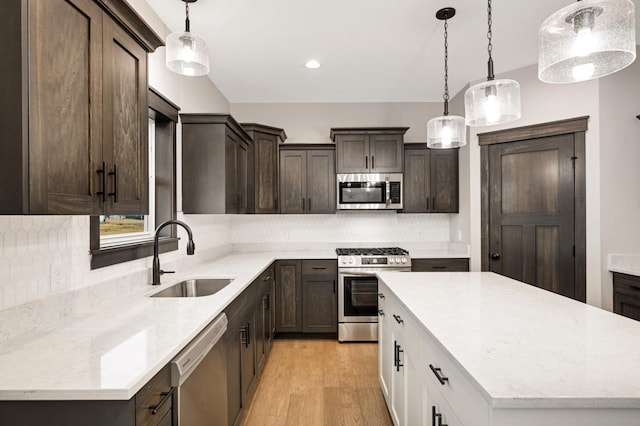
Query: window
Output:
(118,230)
(116,239)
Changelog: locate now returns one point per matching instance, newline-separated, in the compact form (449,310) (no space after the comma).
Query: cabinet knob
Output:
(495,256)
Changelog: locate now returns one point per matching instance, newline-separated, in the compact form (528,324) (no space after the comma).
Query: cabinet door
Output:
(125,115)
(65,107)
(293,181)
(266,173)
(353,153)
(386,153)
(385,345)
(319,304)
(321,181)
(626,295)
(242,168)
(247,355)
(260,327)
(416,180)
(288,296)
(233,343)
(444,180)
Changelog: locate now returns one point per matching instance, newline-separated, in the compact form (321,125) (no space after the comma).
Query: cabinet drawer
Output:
(155,399)
(467,402)
(320,267)
(440,265)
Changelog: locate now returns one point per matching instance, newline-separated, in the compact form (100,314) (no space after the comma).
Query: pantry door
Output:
(535,199)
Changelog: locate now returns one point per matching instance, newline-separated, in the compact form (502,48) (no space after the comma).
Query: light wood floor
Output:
(319,382)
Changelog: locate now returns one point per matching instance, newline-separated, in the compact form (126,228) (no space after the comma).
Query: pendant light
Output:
(586,40)
(187,52)
(447,131)
(493,101)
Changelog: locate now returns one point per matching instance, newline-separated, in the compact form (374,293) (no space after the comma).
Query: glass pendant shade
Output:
(587,39)
(492,102)
(187,54)
(447,131)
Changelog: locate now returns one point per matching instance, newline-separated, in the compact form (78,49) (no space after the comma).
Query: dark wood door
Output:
(443,169)
(247,355)
(293,181)
(416,180)
(288,296)
(125,114)
(321,181)
(319,296)
(531,220)
(266,173)
(386,153)
(352,153)
(65,108)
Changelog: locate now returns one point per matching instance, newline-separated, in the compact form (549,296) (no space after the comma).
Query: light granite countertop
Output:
(526,347)
(625,264)
(110,351)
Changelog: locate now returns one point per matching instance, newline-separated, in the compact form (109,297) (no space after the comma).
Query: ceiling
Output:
(370,50)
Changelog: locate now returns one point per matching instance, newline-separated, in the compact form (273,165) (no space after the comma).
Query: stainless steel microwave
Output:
(369,191)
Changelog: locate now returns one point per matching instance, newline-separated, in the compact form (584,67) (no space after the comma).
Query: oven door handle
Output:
(356,273)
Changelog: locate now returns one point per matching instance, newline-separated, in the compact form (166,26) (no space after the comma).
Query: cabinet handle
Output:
(440,267)
(265,302)
(397,356)
(395,353)
(634,287)
(436,416)
(380,312)
(114,194)
(398,319)
(318,268)
(438,372)
(275,206)
(246,343)
(373,162)
(165,397)
(381,295)
(309,203)
(428,199)
(366,162)
(244,335)
(103,182)
(334,286)
(433,203)
(303,201)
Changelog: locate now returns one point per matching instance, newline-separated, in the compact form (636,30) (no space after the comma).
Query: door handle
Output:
(373,162)
(495,256)
(103,182)
(366,162)
(114,194)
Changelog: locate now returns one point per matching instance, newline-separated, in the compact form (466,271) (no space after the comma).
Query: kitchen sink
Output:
(195,287)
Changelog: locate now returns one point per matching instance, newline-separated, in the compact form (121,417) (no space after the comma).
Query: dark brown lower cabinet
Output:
(138,411)
(626,295)
(288,296)
(247,342)
(319,296)
(440,265)
(306,296)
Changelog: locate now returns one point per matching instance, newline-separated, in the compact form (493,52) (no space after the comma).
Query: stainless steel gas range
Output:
(358,288)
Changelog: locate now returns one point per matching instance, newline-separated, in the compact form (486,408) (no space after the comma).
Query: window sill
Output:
(112,255)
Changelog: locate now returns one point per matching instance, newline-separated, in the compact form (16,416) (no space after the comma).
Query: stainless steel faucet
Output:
(191,249)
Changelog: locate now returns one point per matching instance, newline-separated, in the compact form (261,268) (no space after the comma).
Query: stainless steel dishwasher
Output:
(200,374)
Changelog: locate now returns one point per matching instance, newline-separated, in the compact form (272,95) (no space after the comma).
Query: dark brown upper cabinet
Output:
(369,150)
(307,179)
(263,170)
(215,164)
(430,179)
(74,92)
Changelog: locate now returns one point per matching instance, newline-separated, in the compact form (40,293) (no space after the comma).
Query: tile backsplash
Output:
(43,256)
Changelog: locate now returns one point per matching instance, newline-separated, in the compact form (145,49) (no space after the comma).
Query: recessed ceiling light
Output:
(312,64)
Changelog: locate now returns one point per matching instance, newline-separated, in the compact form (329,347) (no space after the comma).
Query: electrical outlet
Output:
(56,276)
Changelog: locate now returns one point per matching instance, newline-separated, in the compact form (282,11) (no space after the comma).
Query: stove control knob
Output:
(392,260)
(397,260)
(404,260)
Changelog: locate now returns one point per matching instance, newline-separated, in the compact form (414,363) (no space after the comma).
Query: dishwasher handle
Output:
(189,358)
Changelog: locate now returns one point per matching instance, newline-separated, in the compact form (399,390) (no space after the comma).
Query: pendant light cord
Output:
(446,68)
(187,24)
(490,75)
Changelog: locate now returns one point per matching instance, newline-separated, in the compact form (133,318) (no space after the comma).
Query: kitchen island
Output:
(482,349)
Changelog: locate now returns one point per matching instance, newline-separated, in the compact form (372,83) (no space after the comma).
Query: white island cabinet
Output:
(480,349)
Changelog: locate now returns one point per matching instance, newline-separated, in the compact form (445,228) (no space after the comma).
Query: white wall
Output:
(312,122)
(619,150)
